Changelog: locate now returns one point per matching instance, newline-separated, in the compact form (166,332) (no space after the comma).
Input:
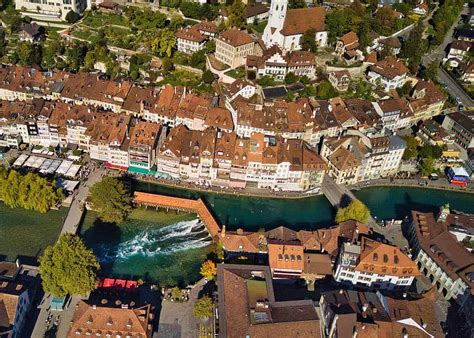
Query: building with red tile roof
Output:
(439,255)
(366,314)
(247,306)
(375,264)
(91,320)
(286,26)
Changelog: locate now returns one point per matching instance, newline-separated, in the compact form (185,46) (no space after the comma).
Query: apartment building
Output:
(233,46)
(394,113)
(340,80)
(376,265)
(285,258)
(439,256)
(53,9)
(276,64)
(144,140)
(124,318)
(426,101)
(190,40)
(223,159)
(462,125)
(17,292)
(356,157)
(247,306)
(350,313)
(389,73)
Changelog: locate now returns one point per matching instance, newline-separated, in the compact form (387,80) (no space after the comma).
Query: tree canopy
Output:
(325,90)
(31,191)
(72,17)
(111,199)
(411,150)
(68,267)
(308,41)
(356,210)
(203,307)
(208,270)
(237,14)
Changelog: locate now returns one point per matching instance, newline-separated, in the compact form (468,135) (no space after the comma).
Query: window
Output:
(292,258)
(286,258)
(280,257)
(298,258)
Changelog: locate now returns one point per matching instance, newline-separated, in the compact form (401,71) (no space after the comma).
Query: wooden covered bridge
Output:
(181,204)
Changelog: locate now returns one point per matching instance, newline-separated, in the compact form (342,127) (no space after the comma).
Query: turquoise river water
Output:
(168,247)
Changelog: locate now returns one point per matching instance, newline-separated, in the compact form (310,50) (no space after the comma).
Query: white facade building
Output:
(286,26)
(374,264)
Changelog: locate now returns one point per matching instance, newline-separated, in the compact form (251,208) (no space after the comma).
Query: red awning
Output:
(131,284)
(108,283)
(120,283)
(114,166)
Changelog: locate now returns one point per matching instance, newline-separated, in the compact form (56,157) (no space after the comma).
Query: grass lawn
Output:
(100,20)
(86,35)
(237,73)
(27,233)
(259,27)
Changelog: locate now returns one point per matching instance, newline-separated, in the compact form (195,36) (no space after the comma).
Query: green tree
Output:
(308,41)
(296,4)
(405,90)
(31,191)
(208,270)
(111,199)
(337,23)
(325,90)
(291,78)
(68,267)
(415,47)
(237,14)
(426,167)
(176,22)
(176,293)
(165,43)
(411,150)
(72,17)
(384,20)
(208,77)
(167,66)
(203,307)
(356,210)
(431,72)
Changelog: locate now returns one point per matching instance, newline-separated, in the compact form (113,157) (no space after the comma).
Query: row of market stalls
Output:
(48,166)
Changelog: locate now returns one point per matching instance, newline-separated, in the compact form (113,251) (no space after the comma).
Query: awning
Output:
(114,166)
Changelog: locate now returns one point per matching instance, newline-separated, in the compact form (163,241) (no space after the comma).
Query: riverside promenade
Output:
(181,204)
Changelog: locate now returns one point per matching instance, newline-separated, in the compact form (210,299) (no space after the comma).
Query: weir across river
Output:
(181,204)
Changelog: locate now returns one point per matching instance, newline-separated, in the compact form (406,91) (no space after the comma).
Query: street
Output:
(71,225)
(443,77)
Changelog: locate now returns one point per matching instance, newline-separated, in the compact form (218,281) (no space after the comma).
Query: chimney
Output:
(223,231)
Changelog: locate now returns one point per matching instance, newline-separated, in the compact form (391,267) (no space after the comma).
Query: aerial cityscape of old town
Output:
(237,168)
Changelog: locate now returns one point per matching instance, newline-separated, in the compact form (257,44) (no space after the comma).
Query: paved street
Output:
(71,224)
(443,77)
(177,319)
(76,209)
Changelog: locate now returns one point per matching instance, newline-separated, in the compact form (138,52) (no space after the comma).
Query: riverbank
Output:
(253,213)
(441,184)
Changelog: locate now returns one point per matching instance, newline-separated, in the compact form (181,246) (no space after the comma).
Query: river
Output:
(168,247)
(252,213)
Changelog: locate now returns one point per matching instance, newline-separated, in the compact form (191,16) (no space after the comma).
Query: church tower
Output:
(275,23)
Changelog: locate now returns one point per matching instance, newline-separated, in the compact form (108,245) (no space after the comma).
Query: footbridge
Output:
(181,204)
